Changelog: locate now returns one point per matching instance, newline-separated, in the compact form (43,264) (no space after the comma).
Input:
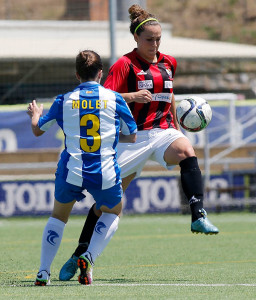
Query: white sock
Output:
(104,229)
(51,240)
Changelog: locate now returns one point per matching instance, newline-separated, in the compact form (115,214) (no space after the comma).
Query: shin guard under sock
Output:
(51,240)
(192,185)
(104,230)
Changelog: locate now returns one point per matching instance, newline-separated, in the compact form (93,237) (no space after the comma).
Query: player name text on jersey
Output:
(89,104)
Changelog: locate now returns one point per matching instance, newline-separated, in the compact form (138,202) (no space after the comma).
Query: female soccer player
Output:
(144,77)
(90,117)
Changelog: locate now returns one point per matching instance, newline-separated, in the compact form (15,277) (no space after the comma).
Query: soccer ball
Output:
(194,113)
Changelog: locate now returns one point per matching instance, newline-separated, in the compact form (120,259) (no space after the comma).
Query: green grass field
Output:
(150,257)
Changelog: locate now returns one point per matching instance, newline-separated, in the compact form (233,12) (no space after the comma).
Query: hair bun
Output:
(135,11)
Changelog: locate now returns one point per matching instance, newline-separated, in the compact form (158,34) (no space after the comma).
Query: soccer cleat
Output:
(203,225)
(42,278)
(85,266)
(69,269)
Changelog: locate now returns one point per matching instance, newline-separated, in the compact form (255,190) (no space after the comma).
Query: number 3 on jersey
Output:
(93,131)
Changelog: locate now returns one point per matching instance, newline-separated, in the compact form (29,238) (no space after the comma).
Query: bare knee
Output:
(178,150)
(187,152)
(62,218)
(61,211)
(115,210)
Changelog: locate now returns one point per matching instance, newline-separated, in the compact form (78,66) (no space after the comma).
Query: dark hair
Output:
(88,64)
(138,15)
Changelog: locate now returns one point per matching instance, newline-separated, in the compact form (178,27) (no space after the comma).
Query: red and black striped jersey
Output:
(132,73)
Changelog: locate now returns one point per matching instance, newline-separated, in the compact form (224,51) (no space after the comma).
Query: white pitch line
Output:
(177,284)
(160,284)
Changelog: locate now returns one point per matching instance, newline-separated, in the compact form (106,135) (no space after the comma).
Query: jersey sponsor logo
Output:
(142,73)
(168,85)
(145,84)
(166,97)
(99,226)
(51,237)
(89,104)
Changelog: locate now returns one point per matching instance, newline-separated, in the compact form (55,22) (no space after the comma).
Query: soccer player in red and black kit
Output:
(144,77)
(132,73)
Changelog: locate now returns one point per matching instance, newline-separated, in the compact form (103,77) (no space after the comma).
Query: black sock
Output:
(86,233)
(192,184)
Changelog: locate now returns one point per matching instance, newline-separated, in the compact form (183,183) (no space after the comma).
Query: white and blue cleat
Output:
(42,278)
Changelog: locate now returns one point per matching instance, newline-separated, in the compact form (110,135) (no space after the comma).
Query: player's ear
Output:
(100,74)
(78,77)
(136,37)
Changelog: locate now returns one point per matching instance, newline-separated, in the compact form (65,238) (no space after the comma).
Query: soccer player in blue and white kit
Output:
(91,118)
(144,77)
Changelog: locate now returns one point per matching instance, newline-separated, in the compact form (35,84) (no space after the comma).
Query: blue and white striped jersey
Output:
(91,117)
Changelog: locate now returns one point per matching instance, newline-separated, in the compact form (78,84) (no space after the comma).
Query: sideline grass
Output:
(150,257)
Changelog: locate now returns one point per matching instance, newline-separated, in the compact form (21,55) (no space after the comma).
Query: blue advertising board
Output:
(16,133)
(144,195)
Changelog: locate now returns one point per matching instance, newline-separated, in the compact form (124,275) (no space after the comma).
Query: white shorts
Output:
(150,145)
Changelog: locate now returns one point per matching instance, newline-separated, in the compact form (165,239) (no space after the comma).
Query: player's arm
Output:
(173,111)
(173,66)
(35,113)
(131,138)
(128,127)
(117,81)
(142,96)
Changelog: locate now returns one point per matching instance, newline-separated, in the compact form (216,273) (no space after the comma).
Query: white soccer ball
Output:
(194,113)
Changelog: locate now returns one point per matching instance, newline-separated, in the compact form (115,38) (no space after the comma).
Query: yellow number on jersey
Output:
(94,132)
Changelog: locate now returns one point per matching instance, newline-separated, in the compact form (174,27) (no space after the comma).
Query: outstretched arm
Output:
(35,113)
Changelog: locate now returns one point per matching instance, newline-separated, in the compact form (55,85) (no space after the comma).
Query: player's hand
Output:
(143,96)
(34,110)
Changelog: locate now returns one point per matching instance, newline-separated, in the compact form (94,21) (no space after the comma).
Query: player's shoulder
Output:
(126,59)
(170,59)
(62,98)
(130,56)
(117,96)
(121,66)
(59,99)
(71,93)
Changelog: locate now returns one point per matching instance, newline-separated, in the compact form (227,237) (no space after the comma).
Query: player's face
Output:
(148,42)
